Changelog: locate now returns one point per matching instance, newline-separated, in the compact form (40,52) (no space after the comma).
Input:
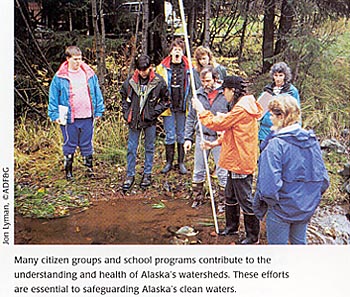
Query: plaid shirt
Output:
(234,175)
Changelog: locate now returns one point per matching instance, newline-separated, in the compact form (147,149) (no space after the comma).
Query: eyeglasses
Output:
(276,112)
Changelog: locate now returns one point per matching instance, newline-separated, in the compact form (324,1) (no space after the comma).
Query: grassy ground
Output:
(42,191)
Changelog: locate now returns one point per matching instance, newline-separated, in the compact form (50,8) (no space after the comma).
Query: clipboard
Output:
(264,100)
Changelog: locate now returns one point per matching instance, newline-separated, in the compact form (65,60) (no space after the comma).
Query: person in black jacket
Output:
(144,97)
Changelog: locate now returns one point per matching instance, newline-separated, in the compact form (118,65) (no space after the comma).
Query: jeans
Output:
(133,142)
(199,171)
(174,126)
(79,133)
(279,232)
(240,190)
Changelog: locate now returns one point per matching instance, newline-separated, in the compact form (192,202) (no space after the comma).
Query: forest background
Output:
(247,37)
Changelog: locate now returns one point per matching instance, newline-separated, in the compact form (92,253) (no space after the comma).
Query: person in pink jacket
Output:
(75,88)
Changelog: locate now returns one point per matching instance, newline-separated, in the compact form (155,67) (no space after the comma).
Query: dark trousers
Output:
(239,190)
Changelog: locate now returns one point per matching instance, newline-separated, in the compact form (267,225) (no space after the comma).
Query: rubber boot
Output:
(169,154)
(221,196)
(252,229)
(197,194)
(68,166)
(181,157)
(232,214)
(88,164)
(146,181)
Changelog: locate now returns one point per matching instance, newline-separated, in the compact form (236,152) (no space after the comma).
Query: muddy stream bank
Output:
(137,219)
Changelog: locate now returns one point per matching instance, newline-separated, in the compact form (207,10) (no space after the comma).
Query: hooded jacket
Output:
(221,70)
(239,143)
(219,105)
(292,175)
(265,122)
(156,100)
(165,71)
(60,93)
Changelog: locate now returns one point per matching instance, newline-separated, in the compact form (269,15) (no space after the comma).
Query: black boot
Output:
(181,157)
(169,154)
(221,196)
(232,214)
(88,164)
(129,181)
(197,194)
(146,181)
(252,229)
(68,166)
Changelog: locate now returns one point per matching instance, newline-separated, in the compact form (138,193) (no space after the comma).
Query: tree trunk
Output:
(95,27)
(285,25)
(145,25)
(191,10)
(244,28)
(207,14)
(70,20)
(87,22)
(156,31)
(103,47)
(191,19)
(268,35)
(98,41)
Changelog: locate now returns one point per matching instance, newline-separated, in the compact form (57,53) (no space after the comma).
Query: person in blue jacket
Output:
(281,76)
(292,176)
(75,87)
(212,98)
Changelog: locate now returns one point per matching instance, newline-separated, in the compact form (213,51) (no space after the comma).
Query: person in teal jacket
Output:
(75,88)
(281,76)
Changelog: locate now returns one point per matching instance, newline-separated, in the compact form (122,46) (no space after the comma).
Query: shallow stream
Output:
(329,225)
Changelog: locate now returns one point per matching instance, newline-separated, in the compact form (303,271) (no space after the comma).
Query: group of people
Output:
(291,173)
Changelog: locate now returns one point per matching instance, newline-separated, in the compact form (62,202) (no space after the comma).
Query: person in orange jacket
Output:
(239,153)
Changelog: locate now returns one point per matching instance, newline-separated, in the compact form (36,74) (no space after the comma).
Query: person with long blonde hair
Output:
(292,176)
(204,57)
